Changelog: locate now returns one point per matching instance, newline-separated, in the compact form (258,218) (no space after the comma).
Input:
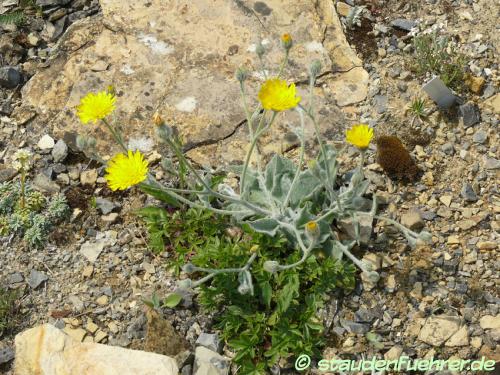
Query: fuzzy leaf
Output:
(172,300)
(266,225)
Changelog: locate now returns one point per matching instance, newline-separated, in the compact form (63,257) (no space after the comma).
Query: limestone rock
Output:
(180,59)
(45,350)
(438,329)
(208,362)
(490,322)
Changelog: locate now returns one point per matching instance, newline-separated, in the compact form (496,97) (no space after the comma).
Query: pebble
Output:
(36,278)
(470,114)
(480,136)
(210,341)
(403,24)
(105,205)
(491,163)
(60,151)
(102,300)
(88,177)
(46,142)
(412,220)
(468,193)
(77,334)
(45,184)
(6,355)
(10,77)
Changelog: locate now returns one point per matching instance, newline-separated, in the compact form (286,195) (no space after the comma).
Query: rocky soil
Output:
(92,277)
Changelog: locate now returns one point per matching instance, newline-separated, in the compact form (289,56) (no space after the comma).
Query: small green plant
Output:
(354,17)
(28,214)
(8,308)
(437,55)
(16,17)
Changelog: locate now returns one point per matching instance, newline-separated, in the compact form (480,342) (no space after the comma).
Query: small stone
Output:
(365,228)
(210,341)
(393,353)
(105,205)
(15,278)
(475,84)
(487,245)
(92,250)
(468,193)
(6,355)
(60,151)
(110,218)
(88,177)
(453,240)
(36,278)
(10,77)
(207,361)
(476,342)
(46,142)
(412,220)
(7,174)
(382,52)
(470,114)
(480,136)
(490,322)
(491,163)
(448,148)
(113,327)
(102,300)
(354,327)
(438,329)
(446,200)
(88,271)
(91,326)
(459,338)
(148,267)
(100,336)
(45,184)
(77,303)
(77,334)
(403,24)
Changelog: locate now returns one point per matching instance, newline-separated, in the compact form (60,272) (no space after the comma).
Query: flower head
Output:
(124,171)
(276,95)
(94,107)
(286,41)
(312,231)
(360,136)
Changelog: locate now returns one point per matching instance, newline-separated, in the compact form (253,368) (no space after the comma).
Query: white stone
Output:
(45,350)
(187,104)
(490,322)
(438,329)
(46,142)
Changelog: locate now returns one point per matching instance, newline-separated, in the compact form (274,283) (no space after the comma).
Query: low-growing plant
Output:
(291,252)
(31,218)
(8,308)
(437,55)
(354,17)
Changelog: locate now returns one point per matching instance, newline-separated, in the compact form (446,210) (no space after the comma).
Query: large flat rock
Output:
(179,57)
(46,350)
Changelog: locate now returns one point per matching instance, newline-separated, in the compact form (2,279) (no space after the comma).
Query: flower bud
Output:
(243,289)
(286,41)
(315,68)
(260,50)
(312,231)
(271,266)
(254,248)
(81,142)
(157,120)
(188,268)
(164,132)
(241,75)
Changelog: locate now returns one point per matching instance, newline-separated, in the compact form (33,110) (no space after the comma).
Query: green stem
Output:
(115,135)
(23,179)
(283,63)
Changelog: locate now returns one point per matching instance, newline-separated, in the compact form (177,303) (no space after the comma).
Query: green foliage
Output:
(280,319)
(182,230)
(35,221)
(418,109)
(436,55)
(8,307)
(16,17)
(354,17)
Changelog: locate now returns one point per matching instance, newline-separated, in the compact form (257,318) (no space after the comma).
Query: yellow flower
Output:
(124,171)
(277,96)
(286,41)
(312,230)
(360,136)
(94,107)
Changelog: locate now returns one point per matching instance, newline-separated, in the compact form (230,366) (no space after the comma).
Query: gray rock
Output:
(354,327)
(60,151)
(447,148)
(365,228)
(468,193)
(45,184)
(380,103)
(364,315)
(480,136)
(137,329)
(10,77)
(15,278)
(51,3)
(105,205)
(77,303)
(470,114)
(401,23)
(187,370)
(489,91)
(210,341)
(36,278)
(209,362)
(6,355)
(412,220)
(492,163)
(7,174)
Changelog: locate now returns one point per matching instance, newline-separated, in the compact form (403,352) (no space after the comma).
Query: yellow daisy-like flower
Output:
(360,136)
(124,171)
(276,95)
(94,107)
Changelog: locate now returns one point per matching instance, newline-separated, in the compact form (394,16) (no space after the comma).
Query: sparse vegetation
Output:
(437,55)
(8,309)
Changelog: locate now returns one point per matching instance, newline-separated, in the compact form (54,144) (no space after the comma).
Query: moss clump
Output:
(395,159)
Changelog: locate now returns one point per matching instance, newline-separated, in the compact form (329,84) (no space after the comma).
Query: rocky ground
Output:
(442,300)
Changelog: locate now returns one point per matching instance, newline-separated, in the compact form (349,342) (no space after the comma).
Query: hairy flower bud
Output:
(164,132)
(271,266)
(157,119)
(286,41)
(312,231)
(188,268)
(315,68)
(185,284)
(241,75)
(260,50)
